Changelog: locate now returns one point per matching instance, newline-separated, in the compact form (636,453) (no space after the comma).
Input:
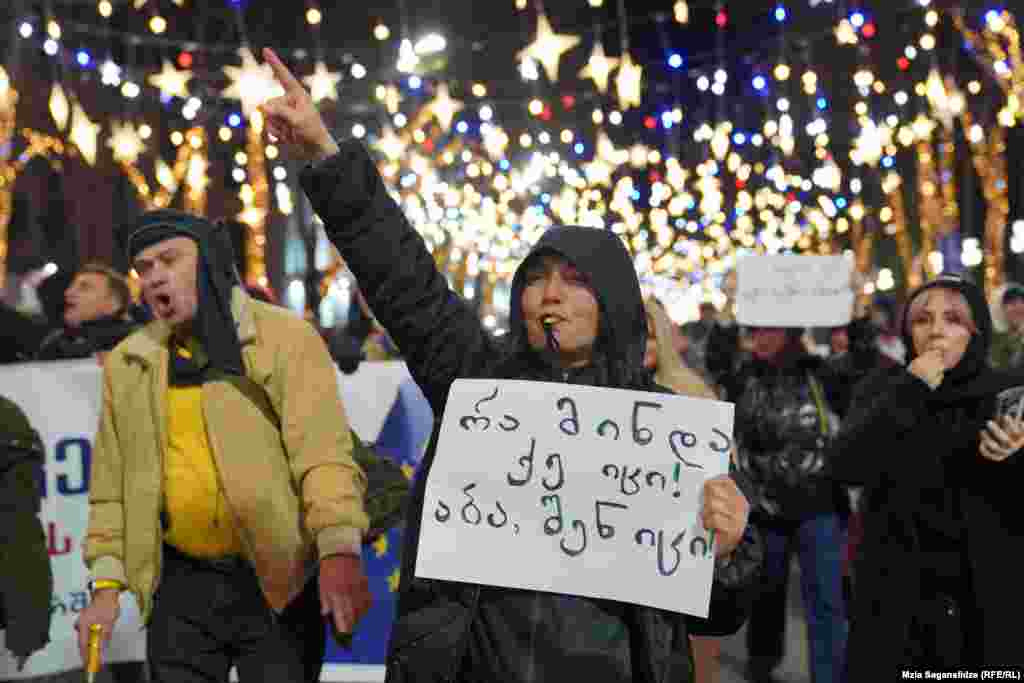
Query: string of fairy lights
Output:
(481,186)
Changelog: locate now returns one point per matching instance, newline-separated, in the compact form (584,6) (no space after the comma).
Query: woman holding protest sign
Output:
(577,316)
(936,445)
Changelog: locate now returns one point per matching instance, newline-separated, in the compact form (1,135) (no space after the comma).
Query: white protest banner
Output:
(62,401)
(793,291)
(575,489)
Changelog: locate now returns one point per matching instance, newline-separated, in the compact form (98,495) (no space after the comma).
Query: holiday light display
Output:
(481,192)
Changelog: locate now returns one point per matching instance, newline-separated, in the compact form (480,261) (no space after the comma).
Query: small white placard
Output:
(576,490)
(793,291)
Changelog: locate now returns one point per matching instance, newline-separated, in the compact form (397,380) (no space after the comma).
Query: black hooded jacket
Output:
(447,631)
(939,519)
(26,580)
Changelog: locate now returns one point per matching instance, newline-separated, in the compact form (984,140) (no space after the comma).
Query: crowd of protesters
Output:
(831,443)
(882,455)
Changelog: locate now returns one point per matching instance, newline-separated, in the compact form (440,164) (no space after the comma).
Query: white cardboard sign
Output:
(576,490)
(793,291)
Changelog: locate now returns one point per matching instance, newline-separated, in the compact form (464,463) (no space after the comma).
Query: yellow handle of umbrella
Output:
(92,666)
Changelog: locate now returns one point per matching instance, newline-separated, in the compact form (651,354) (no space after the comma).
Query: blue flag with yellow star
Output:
(402,436)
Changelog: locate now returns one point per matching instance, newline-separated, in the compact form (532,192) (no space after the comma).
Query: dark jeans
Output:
(208,618)
(818,543)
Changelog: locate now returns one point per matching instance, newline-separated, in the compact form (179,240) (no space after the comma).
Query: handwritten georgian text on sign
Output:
(577,490)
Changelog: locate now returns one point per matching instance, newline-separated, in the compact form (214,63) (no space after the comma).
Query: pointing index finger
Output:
(282,73)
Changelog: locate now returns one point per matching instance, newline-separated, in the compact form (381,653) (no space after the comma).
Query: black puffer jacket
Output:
(788,413)
(785,426)
(26,581)
(447,631)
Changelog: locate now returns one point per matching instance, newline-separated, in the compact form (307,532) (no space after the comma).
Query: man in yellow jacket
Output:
(224,495)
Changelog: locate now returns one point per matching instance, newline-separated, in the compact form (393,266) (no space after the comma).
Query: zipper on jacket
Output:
(161,453)
(242,536)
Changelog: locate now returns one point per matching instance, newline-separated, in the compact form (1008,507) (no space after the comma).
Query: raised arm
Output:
(440,336)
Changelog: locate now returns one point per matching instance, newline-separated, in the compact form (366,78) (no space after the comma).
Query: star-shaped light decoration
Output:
(720,142)
(628,82)
(845,33)
(681,10)
(598,172)
(253,216)
(125,143)
(170,81)
(60,110)
(548,47)
(389,144)
(638,155)
(380,546)
(252,83)
(394,579)
(323,84)
(195,176)
(599,67)
(166,177)
(392,99)
(110,73)
(443,107)
(607,152)
(83,134)
(943,100)
(8,96)
(495,141)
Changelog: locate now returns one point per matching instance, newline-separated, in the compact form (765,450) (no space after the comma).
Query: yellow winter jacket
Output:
(282,447)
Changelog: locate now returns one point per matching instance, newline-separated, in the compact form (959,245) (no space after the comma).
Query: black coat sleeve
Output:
(26,581)
(885,409)
(439,335)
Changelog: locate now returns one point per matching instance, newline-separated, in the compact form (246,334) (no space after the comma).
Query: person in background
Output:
(883,315)
(838,341)
(696,333)
(941,464)
(26,579)
(20,334)
(576,316)
(1008,346)
(670,371)
(786,419)
(222,427)
(96,315)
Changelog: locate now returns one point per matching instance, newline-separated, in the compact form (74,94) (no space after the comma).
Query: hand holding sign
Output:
(606,492)
(724,513)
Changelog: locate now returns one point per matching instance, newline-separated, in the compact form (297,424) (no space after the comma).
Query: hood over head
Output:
(214,327)
(975,358)
(602,257)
